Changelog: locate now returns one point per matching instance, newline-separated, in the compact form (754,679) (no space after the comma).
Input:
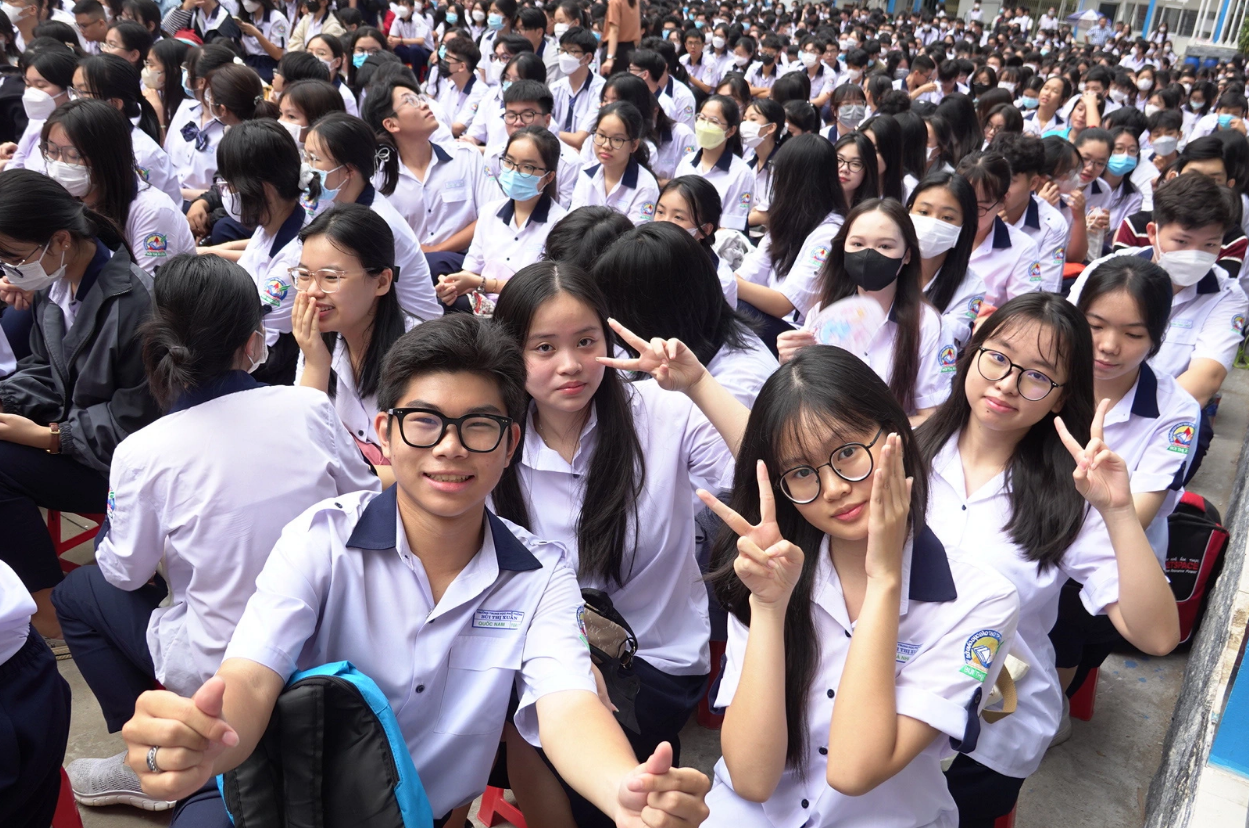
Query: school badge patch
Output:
(156,245)
(1034,272)
(1180,438)
(947,359)
(584,636)
(648,210)
(818,254)
(1238,323)
(1060,254)
(110,505)
(973,305)
(978,653)
(744,201)
(275,291)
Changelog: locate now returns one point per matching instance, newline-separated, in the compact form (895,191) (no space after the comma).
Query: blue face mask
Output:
(494,21)
(442,52)
(1030,103)
(452,18)
(1225,120)
(186,84)
(518,185)
(1121,164)
(598,36)
(358,59)
(505,85)
(698,24)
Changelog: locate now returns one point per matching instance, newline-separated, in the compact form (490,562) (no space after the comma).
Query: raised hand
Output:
(673,365)
(657,794)
(1101,476)
(767,564)
(791,342)
(306,327)
(890,507)
(15,297)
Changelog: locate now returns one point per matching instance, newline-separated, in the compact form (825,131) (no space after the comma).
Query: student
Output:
(1047,117)
(193,134)
(363,43)
(463,91)
(60,434)
(1115,192)
(439,189)
(49,74)
(317,18)
(857,169)
(450,372)
(651,67)
(329,50)
(583,234)
(627,518)
(850,108)
(162,80)
(410,36)
(777,278)
(668,140)
(342,152)
(719,160)
(500,22)
(305,102)
(528,103)
(87,149)
(1229,113)
(488,126)
(885,134)
(699,63)
(193,514)
(1004,257)
(875,254)
(265,29)
(762,131)
(692,202)
(511,231)
(941,209)
(1017,456)
(1166,129)
(128,40)
(621,179)
(576,94)
(657,259)
(1022,210)
(91,20)
(821,726)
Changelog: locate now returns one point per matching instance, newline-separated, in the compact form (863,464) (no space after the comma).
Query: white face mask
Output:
(403,12)
(1185,267)
(478,15)
(233,204)
(750,132)
(1165,144)
(1118,95)
(569,64)
(740,61)
(30,275)
(1150,109)
(75,178)
(1008,86)
(38,104)
(12,12)
(151,78)
(251,6)
(494,71)
(1144,84)
(935,236)
(561,29)
(808,59)
(717,42)
(253,364)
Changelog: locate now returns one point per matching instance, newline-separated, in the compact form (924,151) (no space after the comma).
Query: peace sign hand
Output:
(890,508)
(768,564)
(669,361)
(1101,476)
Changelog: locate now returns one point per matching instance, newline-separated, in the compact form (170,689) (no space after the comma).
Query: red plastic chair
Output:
(1007,821)
(706,718)
(63,545)
(1082,702)
(494,809)
(66,815)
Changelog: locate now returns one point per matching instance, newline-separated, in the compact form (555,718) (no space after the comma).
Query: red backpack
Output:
(1194,557)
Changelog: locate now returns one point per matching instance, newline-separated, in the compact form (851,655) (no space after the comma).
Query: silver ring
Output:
(151,760)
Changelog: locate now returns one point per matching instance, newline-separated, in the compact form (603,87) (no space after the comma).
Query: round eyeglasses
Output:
(995,366)
(852,462)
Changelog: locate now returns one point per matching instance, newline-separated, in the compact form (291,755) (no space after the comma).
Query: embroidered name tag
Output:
(906,651)
(1181,323)
(498,619)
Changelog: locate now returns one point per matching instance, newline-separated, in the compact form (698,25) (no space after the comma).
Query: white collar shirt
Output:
(27,155)
(156,228)
(268,258)
(801,286)
(1120,201)
(500,248)
(574,108)
(963,308)
(1007,262)
(570,167)
(668,155)
(212,517)
(448,200)
(154,165)
(488,127)
(956,623)
(192,145)
(679,102)
(664,598)
(974,526)
(1032,124)
(634,196)
(16,608)
(763,181)
(349,100)
(757,75)
(461,105)
(743,371)
(706,70)
(342,584)
(1048,230)
(733,179)
(275,27)
(1208,124)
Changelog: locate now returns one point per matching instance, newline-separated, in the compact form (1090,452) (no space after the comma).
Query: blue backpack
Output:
(332,757)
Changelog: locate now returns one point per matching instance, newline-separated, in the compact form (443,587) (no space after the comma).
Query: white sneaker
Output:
(1064,725)
(110,782)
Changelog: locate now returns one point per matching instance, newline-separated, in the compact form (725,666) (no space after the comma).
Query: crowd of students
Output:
(878,347)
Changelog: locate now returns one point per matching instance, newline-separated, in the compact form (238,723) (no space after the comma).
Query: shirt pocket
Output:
(480,672)
(454,192)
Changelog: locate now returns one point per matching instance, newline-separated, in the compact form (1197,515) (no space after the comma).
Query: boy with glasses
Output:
(575,97)
(529,103)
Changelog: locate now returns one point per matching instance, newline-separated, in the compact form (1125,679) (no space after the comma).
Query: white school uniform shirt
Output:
(663,598)
(349,100)
(574,108)
(500,248)
(668,156)
(801,285)
(414,288)
(1032,122)
(212,517)
(156,229)
(682,102)
(488,127)
(963,308)
(1048,230)
(743,371)
(1208,124)
(825,79)
(956,623)
(1121,201)
(763,181)
(192,147)
(276,28)
(1008,264)
(27,155)
(1207,319)
(268,258)
(16,608)
(342,584)
(203,23)
(153,164)
(706,70)
(1154,429)
(461,104)
(454,191)
(938,354)
(634,196)
(733,180)
(569,170)
(975,526)
(755,75)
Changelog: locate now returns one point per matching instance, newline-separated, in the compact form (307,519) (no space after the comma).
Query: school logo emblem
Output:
(1034,272)
(689,150)
(1060,254)
(978,653)
(648,210)
(1180,439)
(745,200)
(110,505)
(156,245)
(1238,323)
(275,291)
(946,358)
(144,173)
(818,255)
(973,305)
(581,626)
(905,652)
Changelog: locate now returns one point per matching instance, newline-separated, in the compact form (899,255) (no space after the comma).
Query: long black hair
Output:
(661,259)
(33,207)
(111,77)
(805,189)
(204,311)
(256,153)
(548,147)
(582,234)
(914,143)
(101,135)
(820,394)
(908,301)
(1047,512)
(357,231)
(870,186)
(634,124)
(171,53)
(617,468)
(954,268)
(349,141)
(704,204)
(888,135)
(1148,285)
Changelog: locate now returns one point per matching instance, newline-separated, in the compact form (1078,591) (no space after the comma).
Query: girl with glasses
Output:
(1003,256)
(620,177)
(857,169)
(719,160)
(1017,457)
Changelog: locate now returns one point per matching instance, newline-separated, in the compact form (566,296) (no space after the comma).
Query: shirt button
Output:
(964,507)
(420,688)
(361,433)
(847,633)
(823,751)
(806,804)
(831,693)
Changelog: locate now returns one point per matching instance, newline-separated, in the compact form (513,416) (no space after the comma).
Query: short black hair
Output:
(1191,201)
(582,38)
(1170,120)
(466,50)
(650,61)
(1024,153)
(458,342)
(530,90)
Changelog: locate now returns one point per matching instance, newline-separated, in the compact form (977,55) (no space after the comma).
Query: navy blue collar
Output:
(541,211)
(668,88)
(630,177)
(726,158)
(367,195)
(468,87)
(1145,403)
(930,569)
(102,257)
(1001,235)
(375,530)
(1032,215)
(288,231)
(1096,189)
(441,154)
(229,383)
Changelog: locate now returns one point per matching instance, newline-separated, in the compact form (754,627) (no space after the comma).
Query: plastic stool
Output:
(494,809)
(66,815)
(1082,702)
(707,719)
(63,545)
(1007,821)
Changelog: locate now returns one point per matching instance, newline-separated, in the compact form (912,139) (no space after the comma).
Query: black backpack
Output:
(1194,557)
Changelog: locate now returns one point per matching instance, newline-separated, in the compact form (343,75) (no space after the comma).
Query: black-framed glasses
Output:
(615,142)
(996,366)
(851,164)
(526,117)
(527,169)
(425,428)
(852,462)
(53,152)
(984,209)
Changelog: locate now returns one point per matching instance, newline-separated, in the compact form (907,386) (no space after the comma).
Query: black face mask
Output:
(313,6)
(767,59)
(978,89)
(872,270)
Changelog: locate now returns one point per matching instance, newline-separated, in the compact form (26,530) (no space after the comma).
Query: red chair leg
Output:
(1082,702)
(63,545)
(66,815)
(706,718)
(495,809)
(1007,821)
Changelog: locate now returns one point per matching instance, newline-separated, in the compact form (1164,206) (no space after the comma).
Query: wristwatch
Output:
(55,446)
